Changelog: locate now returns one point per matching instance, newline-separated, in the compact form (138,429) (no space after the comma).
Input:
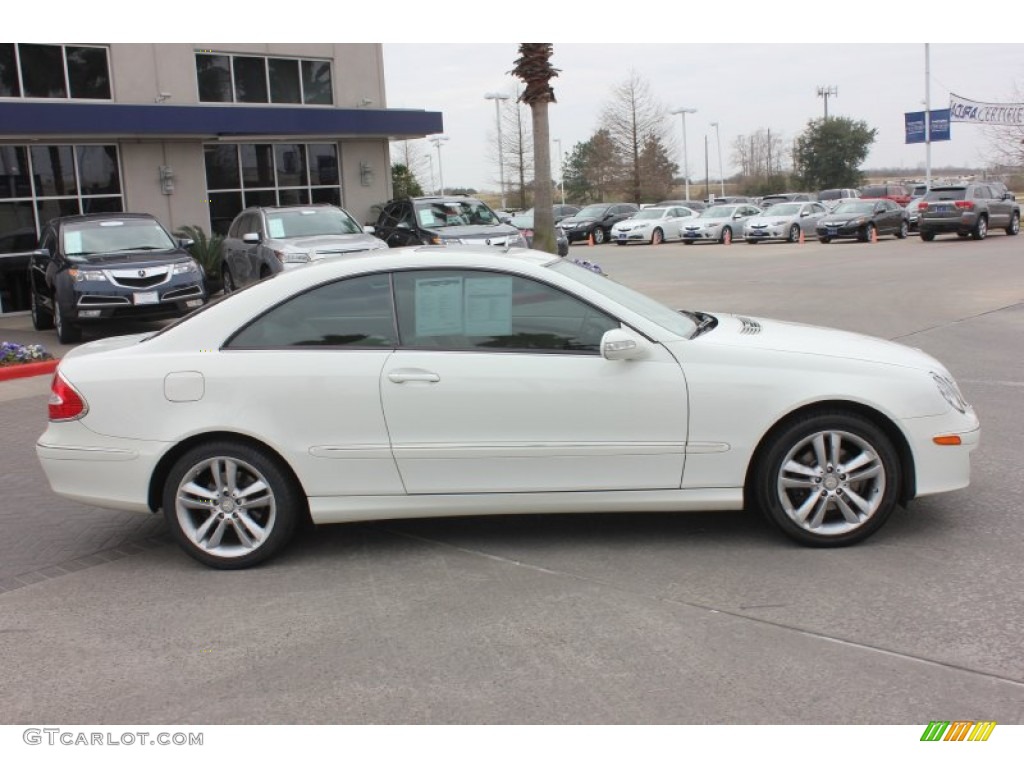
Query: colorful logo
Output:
(958,730)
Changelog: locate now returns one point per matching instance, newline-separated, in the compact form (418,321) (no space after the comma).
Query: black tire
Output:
(927,236)
(229,281)
(980,230)
(1013,228)
(246,533)
(751,241)
(67,331)
(42,318)
(794,233)
(657,237)
(825,240)
(865,236)
(687,242)
(620,242)
(825,506)
(726,237)
(903,231)
(598,235)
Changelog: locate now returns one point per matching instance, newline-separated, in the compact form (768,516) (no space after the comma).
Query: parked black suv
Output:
(967,209)
(110,265)
(597,220)
(441,220)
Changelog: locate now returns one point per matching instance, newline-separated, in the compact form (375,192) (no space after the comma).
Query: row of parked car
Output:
(116,265)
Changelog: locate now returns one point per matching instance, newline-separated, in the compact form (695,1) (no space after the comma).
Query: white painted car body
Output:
(653,225)
(719,223)
(408,432)
(785,221)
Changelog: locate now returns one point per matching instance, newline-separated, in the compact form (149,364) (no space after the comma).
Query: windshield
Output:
(650,213)
(654,311)
(591,212)
(454,213)
(786,209)
(855,206)
(310,222)
(718,212)
(112,235)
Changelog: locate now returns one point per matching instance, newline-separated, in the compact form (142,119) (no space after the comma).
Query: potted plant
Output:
(208,250)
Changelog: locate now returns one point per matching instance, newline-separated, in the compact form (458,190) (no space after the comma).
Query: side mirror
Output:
(186,242)
(621,344)
(252,237)
(369,230)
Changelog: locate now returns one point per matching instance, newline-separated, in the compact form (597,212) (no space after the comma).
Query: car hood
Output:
(707,222)
(571,220)
(764,221)
(782,336)
(328,244)
(842,218)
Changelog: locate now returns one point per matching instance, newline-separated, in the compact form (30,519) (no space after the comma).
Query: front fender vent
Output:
(750,327)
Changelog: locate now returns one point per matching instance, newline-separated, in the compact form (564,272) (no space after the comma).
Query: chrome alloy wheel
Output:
(225,507)
(831,483)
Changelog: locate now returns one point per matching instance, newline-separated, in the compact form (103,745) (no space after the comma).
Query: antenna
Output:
(824,91)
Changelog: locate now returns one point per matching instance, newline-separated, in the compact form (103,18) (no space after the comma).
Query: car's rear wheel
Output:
(229,281)
(828,479)
(598,235)
(794,233)
(657,237)
(927,236)
(67,331)
(1014,226)
(230,505)
(42,319)
(980,229)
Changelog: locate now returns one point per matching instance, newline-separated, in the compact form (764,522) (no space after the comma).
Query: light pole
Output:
(430,159)
(561,169)
(498,98)
(437,140)
(718,141)
(683,112)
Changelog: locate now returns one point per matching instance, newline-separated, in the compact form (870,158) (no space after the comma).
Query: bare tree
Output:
(414,156)
(516,149)
(761,157)
(534,68)
(632,118)
(1006,142)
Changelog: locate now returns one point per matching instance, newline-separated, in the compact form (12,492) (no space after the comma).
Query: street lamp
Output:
(718,141)
(498,98)
(684,111)
(437,140)
(561,169)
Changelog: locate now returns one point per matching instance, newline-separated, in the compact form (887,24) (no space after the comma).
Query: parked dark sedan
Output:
(863,220)
(107,266)
(597,220)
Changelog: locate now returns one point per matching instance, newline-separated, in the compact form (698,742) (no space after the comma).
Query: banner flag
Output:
(963,110)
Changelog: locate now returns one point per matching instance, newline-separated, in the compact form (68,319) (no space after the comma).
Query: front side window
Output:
(353,313)
(494,312)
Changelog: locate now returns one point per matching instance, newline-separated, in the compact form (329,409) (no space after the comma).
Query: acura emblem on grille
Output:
(488,241)
(142,273)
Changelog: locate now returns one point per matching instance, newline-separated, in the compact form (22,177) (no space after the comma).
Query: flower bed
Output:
(21,360)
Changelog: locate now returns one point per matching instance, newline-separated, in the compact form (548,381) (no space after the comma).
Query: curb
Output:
(23,370)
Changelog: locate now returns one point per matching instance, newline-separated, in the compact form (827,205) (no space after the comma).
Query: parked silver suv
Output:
(967,209)
(265,240)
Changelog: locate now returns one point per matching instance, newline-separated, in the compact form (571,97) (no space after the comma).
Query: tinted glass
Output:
(293,196)
(948,193)
(323,164)
(17,227)
(97,169)
(261,197)
(250,79)
(14,178)
(51,209)
(349,313)
(214,76)
(291,165)
(316,82)
(309,222)
(53,170)
(102,205)
(284,81)
(8,71)
(330,195)
(258,165)
(88,75)
(42,71)
(222,167)
(224,206)
(489,311)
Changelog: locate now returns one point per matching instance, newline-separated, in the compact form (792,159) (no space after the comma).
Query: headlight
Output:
(450,241)
(951,392)
(290,257)
(184,268)
(84,275)
(858,222)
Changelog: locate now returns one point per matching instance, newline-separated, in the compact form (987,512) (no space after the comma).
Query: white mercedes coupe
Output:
(435,381)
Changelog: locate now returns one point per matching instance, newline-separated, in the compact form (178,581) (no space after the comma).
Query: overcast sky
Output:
(741,86)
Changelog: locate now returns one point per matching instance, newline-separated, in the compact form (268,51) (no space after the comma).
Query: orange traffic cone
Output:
(800,239)
(874,235)
(590,239)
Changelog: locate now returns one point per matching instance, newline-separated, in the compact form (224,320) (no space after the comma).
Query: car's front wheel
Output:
(229,281)
(828,479)
(598,235)
(1014,226)
(230,505)
(904,231)
(67,331)
(794,233)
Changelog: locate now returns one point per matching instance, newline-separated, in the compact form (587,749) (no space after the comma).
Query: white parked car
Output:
(652,225)
(719,224)
(433,381)
(784,221)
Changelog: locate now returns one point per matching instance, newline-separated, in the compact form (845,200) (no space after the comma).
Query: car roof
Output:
(79,218)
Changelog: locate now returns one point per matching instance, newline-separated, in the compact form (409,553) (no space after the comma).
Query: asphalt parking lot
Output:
(688,618)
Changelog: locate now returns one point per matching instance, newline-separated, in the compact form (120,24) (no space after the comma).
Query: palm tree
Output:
(534,68)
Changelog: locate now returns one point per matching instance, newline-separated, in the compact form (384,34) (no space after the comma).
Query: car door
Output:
(998,209)
(499,386)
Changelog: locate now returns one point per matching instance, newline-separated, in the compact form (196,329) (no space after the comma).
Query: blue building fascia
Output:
(84,119)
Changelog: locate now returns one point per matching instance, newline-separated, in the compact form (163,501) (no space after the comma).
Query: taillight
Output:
(65,403)
(922,205)
(964,205)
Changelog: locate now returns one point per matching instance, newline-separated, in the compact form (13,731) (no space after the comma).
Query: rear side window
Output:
(353,313)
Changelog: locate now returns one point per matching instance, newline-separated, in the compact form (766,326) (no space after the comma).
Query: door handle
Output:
(403,375)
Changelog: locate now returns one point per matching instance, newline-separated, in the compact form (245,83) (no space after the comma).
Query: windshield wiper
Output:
(139,248)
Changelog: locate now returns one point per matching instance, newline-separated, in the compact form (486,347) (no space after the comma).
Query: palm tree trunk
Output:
(543,214)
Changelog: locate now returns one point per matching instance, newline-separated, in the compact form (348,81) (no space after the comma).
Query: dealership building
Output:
(191,133)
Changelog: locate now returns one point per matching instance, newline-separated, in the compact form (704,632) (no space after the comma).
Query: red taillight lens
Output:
(922,205)
(527,233)
(65,403)
(964,205)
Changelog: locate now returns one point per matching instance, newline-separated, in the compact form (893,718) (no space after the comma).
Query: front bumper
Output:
(841,231)
(112,303)
(941,468)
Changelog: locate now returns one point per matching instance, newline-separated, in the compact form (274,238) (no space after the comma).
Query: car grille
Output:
(139,278)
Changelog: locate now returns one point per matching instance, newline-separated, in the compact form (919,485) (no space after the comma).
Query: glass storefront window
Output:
(53,171)
(14,178)
(260,79)
(222,167)
(316,82)
(250,79)
(88,75)
(42,71)
(258,165)
(9,85)
(37,71)
(97,167)
(284,81)
(214,75)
